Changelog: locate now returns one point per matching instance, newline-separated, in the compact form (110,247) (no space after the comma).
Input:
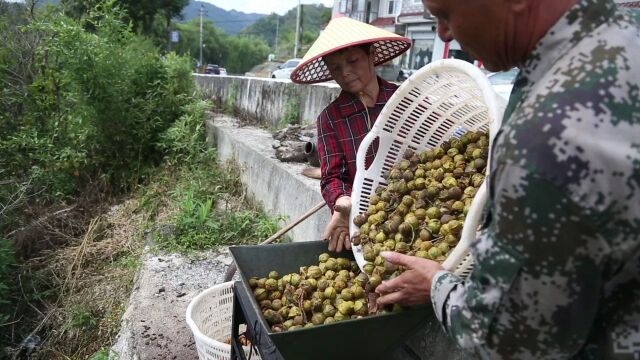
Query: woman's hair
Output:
(367,48)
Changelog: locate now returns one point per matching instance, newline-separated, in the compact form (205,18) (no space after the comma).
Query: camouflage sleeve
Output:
(536,271)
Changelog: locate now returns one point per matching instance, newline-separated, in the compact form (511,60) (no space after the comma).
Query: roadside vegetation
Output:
(103,145)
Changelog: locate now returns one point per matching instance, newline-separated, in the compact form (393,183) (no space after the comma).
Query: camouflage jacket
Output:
(557,261)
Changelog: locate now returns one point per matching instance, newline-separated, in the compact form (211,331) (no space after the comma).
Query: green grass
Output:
(192,190)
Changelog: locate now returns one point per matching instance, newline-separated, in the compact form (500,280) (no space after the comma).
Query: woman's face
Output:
(352,68)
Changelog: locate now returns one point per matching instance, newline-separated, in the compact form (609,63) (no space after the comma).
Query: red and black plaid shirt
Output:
(341,127)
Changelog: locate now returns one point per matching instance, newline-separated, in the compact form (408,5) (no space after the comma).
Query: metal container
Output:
(367,338)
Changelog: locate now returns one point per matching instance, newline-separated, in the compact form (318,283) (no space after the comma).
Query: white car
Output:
(285,70)
(502,82)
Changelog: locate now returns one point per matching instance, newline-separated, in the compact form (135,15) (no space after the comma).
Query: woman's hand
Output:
(337,231)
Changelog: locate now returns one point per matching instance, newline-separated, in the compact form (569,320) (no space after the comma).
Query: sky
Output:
(258,6)
(265,6)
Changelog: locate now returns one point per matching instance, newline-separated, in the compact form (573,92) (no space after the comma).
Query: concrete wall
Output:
(278,186)
(269,101)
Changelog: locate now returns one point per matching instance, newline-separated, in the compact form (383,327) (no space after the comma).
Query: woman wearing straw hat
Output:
(347,51)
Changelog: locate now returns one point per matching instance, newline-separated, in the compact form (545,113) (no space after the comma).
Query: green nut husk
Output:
(330,293)
(272,317)
(276,304)
(358,291)
(322,284)
(344,263)
(360,308)
(434,253)
(368,268)
(375,280)
(329,310)
(293,312)
(329,320)
(271,284)
(402,247)
(275,295)
(260,294)
(307,305)
(339,285)
(274,275)
(346,294)
(314,272)
(340,316)
(323,257)
(331,264)
(318,319)
(346,308)
(295,280)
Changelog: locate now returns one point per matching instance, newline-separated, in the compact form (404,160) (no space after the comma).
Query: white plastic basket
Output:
(442,100)
(209,318)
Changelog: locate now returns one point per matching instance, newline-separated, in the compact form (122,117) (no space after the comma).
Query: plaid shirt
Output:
(341,127)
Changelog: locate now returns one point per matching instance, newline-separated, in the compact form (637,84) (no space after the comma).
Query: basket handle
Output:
(471,223)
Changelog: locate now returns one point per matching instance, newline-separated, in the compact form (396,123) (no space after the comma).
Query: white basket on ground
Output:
(442,100)
(209,318)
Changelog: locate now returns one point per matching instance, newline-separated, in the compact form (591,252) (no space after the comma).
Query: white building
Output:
(403,17)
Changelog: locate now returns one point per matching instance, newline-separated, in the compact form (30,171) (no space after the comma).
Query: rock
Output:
(291,151)
(276,144)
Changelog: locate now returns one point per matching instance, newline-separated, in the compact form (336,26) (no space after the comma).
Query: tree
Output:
(238,54)
(213,40)
(314,17)
(142,13)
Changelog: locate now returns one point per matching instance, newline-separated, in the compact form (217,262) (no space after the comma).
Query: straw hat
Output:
(341,33)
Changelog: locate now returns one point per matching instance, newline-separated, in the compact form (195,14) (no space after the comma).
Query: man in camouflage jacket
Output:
(557,262)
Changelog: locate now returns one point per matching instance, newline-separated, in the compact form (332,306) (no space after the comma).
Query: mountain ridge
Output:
(231,21)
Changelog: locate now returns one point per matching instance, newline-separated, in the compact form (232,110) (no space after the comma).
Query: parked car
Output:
(502,82)
(285,70)
(212,69)
(223,71)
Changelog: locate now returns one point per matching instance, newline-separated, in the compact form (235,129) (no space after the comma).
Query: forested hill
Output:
(232,22)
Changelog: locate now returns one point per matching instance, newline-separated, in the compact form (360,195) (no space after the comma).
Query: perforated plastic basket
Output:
(209,318)
(441,101)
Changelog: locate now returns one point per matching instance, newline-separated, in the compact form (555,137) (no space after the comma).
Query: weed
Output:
(81,319)
(104,354)
(7,261)
(231,99)
(223,228)
(291,115)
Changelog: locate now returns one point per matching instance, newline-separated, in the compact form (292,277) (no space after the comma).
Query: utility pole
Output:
(277,26)
(201,13)
(295,48)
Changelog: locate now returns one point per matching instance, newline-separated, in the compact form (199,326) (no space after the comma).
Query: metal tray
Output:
(368,338)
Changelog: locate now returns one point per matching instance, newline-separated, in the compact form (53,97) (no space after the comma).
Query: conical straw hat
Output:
(341,33)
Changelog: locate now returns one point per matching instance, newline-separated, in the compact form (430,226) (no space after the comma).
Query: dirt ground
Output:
(154,325)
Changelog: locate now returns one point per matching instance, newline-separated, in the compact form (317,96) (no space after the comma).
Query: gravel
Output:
(154,325)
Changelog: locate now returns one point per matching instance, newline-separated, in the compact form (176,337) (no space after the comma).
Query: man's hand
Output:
(413,286)
(337,232)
